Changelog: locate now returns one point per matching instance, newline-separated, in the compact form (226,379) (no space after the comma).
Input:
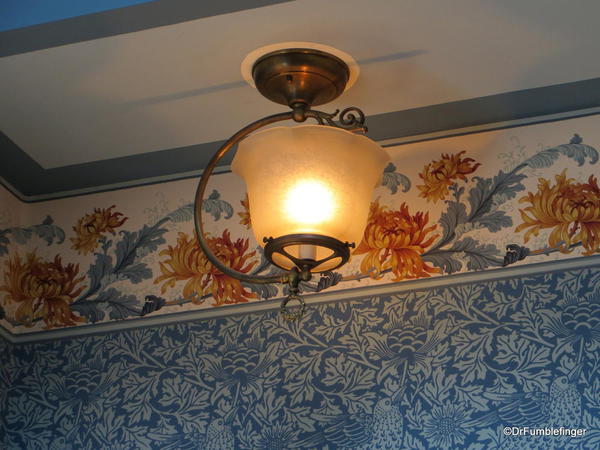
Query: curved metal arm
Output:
(258,279)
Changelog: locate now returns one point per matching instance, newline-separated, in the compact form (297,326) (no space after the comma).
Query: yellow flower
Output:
(90,227)
(245,214)
(43,290)
(186,261)
(396,240)
(571,209)
(438,176)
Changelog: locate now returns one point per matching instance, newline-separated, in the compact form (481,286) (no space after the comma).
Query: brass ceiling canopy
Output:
(300,76)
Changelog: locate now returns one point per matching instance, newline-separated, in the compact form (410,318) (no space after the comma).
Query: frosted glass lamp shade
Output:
(309,179)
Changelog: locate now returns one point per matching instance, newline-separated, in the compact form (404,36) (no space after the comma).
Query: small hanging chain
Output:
(296,314)
(294,278)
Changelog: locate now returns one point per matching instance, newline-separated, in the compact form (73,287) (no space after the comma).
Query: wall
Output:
(6,355)
(455,205)
(435,368)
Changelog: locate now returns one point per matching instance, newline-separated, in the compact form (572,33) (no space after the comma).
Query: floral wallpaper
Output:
(437,368)
(452,205)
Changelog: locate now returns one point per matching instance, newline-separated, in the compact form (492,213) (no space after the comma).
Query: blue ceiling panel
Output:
(23,13)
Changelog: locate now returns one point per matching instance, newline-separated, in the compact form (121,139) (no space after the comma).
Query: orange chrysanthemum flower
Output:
(89,228)
(245,214)
(396,240)
(438,176)
(571,209)
(43,290)
(186,261)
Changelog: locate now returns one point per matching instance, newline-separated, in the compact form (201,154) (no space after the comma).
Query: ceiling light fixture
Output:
(309,186)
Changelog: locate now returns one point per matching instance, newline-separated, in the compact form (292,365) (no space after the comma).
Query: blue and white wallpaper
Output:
(6,353)
(437,368)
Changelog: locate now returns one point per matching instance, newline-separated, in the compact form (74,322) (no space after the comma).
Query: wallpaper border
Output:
(341,295)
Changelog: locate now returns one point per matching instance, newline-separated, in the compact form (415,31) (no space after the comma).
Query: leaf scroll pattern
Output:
(380,372)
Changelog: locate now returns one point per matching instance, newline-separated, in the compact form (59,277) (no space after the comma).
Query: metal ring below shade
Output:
(297,314)
(278,246)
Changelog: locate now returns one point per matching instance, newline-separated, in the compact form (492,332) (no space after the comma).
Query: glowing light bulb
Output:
(309,202)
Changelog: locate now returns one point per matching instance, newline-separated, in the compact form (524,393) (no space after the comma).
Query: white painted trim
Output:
(327,297)
(111,187)
(384,143)
(489,127)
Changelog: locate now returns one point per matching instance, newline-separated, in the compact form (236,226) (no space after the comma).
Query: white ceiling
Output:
(181,85)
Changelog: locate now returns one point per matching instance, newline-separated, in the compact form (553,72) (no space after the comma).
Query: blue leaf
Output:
(488,191)
(148,238)
(120,305)
(137,273)
(46,231)
(106,243)
(328,279)
(480,256)
(184,213)
(97,271)
(391,179)
(123,307)
(214,206)
(576,151)
(443,259)
(21,235)
(495,221)
(90,310)
(264,291)
(4,242)
(49,232)
(455,215)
